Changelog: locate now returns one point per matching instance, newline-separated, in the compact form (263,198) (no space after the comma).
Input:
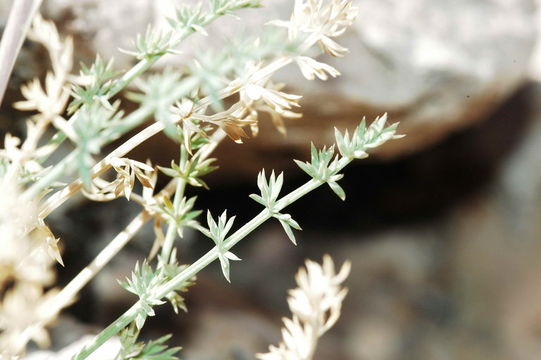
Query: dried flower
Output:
(127,170)
(257,88)
(321,20)
(259,94)
(22,318)
(95,121)
(311,68)
(315,305)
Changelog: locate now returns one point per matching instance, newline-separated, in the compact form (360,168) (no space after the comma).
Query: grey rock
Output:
(436,66)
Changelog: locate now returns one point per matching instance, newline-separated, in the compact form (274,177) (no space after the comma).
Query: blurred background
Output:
(443,227)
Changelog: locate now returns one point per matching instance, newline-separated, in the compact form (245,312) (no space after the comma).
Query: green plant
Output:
(198,108)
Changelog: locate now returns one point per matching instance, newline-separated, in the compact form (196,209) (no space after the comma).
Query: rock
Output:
(436,66)
(438,73)
(497,242)
(535,62)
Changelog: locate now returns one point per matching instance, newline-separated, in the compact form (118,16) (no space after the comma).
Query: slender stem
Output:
(61,196)
(137,70)
(144,64)
(110,331)
(68,293)
(56,172)
(173,227)
(188,273)
(20,17)
(297,194)
(131,121)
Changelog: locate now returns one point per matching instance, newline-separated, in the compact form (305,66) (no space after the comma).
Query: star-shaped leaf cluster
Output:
(153,350)
(217,231)
(182,214)
(269,191)
(152,44)
(324,168)
(364,138)
(94,83)
(191,170)
(144,280)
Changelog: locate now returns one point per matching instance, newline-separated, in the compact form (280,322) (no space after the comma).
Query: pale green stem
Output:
(68,293)
(170,236)
(110,331)
(132,120)
(61,196)
(188,273)
(141,67)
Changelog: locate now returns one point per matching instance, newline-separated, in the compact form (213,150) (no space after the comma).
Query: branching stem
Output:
(61,196)
(188,273)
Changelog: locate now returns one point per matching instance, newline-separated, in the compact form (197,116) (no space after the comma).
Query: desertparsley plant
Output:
(198,106)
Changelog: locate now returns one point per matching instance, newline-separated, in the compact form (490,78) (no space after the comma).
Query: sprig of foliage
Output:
(322,169)
(364,138)
(324,165)
(143,283)
(155,44)
(191,169)
(152,44)
(153,350)
(182,214)
(190,18)
(95,122)
(217,231)
(269,195)
(94,83)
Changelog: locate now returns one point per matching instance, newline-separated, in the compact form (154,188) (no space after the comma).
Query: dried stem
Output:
(203,262)
(61,196)
(68,293)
